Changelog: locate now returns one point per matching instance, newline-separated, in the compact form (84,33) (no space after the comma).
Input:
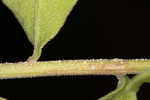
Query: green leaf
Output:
(138,81)
(2,98)
(41,19)
(128,88)
(120,93)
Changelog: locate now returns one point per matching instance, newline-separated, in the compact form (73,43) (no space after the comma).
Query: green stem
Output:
(73,67)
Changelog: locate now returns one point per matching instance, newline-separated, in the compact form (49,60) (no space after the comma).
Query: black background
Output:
(95,29)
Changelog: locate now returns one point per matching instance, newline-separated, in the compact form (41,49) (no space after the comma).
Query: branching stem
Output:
(73,67)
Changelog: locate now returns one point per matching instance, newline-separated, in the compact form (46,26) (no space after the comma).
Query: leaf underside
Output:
(41,19)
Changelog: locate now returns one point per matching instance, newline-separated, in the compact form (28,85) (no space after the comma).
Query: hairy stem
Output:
(73,67)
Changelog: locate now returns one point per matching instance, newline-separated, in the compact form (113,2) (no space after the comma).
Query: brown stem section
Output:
(73,67)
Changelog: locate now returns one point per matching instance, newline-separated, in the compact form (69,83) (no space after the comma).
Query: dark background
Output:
(95,29)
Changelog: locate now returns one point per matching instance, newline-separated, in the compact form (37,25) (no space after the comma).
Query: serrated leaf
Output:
(41,19)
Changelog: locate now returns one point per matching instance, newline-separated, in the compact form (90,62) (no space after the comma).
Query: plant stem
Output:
(73,67)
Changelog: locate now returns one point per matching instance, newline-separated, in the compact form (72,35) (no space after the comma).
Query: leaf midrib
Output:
(36,23)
